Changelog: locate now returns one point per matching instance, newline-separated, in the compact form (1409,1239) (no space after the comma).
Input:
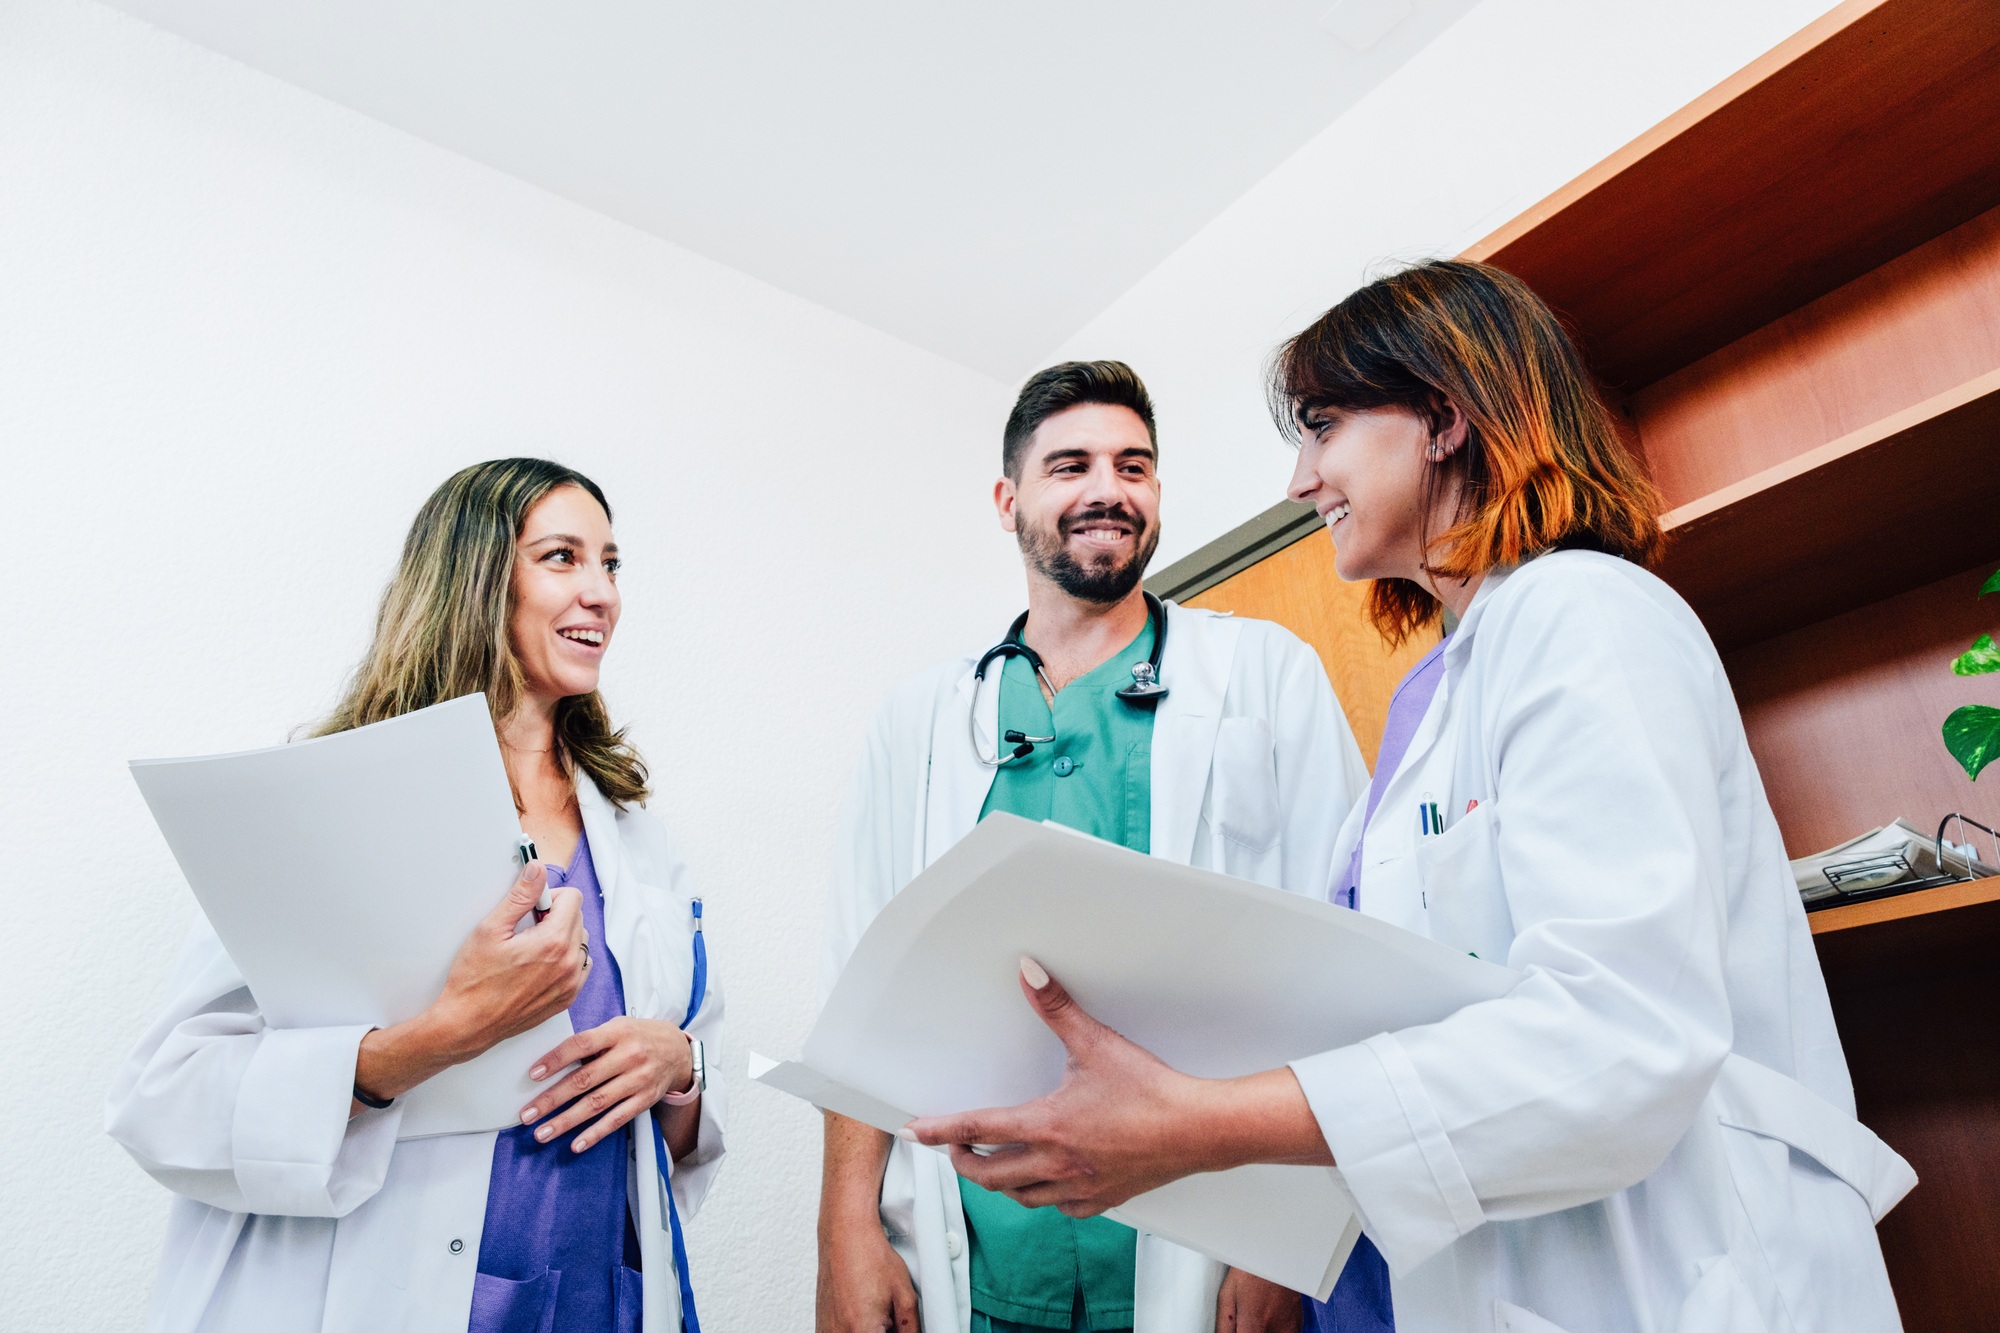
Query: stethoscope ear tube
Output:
(1146,687)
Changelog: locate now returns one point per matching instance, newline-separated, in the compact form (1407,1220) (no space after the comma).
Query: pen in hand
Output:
(526,847)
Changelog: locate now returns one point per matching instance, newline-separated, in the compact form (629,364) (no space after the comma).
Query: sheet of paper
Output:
(1216,976)
(343,873)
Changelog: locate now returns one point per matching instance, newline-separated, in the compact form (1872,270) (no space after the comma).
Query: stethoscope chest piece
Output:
(1145,685)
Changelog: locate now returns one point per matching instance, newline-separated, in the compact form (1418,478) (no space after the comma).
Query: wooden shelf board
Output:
(1858,139)
(1923,902)
(1918,938)
(1889,507)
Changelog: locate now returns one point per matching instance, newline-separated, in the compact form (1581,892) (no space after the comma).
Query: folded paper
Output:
(1217,976)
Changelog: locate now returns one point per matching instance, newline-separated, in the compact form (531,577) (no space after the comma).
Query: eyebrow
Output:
(610,548)
(1065,455)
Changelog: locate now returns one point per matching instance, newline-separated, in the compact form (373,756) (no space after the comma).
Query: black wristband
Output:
(371,1101)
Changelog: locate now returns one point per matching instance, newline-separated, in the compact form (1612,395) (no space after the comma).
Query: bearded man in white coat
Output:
(1230,753)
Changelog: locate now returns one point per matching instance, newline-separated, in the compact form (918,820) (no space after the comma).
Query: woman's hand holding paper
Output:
(502,983)
(1122,1122)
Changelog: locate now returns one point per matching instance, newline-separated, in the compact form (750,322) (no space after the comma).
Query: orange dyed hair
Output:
(1543,465)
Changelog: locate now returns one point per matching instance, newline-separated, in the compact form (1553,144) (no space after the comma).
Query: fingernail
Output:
(578,1146)
(528,1114)
(906,1134)
(538,1071)
(1032,972)
(544,1133)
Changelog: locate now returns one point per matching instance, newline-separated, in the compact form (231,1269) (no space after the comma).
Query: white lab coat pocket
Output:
(1243,795)
(1511,1318)
(1719,1302)
(1464,900)
(1811,1181)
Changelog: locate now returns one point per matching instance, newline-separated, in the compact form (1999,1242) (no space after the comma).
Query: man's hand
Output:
(1251,1305)
(864,1286)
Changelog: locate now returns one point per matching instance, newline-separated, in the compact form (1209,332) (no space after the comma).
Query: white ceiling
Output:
(977,178)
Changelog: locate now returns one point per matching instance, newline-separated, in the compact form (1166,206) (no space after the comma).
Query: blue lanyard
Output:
(697,992)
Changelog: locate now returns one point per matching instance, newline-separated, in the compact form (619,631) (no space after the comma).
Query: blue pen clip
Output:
(1428,818)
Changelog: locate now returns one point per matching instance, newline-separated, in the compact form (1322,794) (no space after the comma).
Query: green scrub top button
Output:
(1063,766)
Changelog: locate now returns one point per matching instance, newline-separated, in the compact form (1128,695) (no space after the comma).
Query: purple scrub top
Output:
(559,1254)
(1360,1300)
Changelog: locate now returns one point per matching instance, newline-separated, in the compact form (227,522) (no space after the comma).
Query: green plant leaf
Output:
(1992,583)
(1983,656)
(1972,734)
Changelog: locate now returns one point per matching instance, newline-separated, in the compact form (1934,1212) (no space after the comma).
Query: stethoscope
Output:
(1144,689)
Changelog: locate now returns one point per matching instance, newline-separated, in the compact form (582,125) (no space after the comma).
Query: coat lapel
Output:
(957,783)
(622,905)
(1411,781)
(1201,647)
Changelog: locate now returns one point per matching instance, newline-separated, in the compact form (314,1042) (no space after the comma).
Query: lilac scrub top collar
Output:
(1407,707)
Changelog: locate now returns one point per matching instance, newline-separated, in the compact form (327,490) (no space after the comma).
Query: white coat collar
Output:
(1397,795)
(1201,650)
(1461,638)
(955,781)
(622,903)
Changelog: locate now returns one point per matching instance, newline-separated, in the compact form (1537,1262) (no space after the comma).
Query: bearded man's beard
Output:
(1103,580)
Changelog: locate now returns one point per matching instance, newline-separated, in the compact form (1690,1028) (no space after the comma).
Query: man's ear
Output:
(1004,497)
(1449,436)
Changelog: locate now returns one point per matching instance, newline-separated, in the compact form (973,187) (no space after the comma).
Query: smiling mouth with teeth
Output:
(1337,513)
(593,637)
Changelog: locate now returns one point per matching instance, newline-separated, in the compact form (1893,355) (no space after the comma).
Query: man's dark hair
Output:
(1071,384)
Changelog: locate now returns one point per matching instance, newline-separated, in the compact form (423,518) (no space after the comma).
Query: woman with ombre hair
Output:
(1653,1131)
(297,1207)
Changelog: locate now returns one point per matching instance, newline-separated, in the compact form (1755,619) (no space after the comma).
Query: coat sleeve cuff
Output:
(1386,1138)
(297,1154)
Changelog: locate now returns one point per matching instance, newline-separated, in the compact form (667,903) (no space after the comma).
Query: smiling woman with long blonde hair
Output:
(297,1206)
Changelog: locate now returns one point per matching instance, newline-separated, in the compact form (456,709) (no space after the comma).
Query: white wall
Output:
(242,334)
(1515,99)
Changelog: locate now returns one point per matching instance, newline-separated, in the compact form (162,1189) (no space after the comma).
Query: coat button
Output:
(457,1246)
(1064,766)
(954,1244)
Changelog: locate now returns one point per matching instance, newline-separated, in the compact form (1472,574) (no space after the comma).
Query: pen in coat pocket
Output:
(1429,821)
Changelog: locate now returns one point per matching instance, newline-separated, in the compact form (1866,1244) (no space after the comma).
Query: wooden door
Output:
(1297,588)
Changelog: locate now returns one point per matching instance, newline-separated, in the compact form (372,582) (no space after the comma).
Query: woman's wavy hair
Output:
(444,627)
(1543,465)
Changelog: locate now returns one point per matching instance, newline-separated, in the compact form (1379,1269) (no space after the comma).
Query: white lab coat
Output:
(1253,768)
(291,1216)
(1654,1131)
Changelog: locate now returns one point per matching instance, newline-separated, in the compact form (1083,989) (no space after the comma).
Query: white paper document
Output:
(343,873)
(1217,976)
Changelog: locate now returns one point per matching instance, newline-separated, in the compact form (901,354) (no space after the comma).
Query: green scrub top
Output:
(1033,1265)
